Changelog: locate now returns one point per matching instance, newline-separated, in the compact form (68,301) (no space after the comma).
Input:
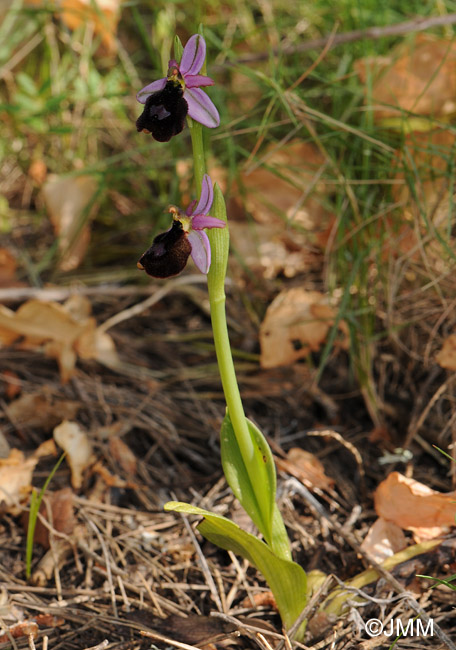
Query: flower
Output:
(170,250)
(168,100)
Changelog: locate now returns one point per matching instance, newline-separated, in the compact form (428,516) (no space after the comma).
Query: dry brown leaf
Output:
(285,199)
(266,249)
(101,15)
(283,189)
(13,384)
(39,321)
(446,358)
(414,506)
(384,538)
(122,453)
(38,171)
(8,267)
(37,410)
(58,509)
(15,479)
(67,201)
(46,448)
(75,442)
(18,630)
(297,322)
(306,468)
(95,344)
(65,331)
(420,78)
(429,153)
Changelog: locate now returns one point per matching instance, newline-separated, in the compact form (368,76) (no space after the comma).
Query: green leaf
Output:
(263,511)
(287,580)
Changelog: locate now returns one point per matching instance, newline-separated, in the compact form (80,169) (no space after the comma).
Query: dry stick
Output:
(373,33)
(204,565)
(310,608)
(46,294)
(139,308)
(306,494)
(417,422)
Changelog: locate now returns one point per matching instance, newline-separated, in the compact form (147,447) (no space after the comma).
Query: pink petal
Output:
(197,80)
(206,196)
(205,221)
(201,108)
(193,55)
(201,249)
(154,87)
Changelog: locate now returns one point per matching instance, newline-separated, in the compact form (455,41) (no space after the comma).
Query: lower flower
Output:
(170,250)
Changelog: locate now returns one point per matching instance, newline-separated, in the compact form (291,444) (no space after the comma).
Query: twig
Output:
(310,608)
(140,307)
(204,565)
(374,33)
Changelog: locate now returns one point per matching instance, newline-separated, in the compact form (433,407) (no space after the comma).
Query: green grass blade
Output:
(35,503)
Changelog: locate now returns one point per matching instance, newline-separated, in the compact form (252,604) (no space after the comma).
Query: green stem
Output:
(273,527)
(228,376)
(219,240)
(199,157)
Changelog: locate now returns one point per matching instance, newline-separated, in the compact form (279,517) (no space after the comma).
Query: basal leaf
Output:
(286,579)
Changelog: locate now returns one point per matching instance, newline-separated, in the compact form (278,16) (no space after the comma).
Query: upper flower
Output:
(169,252)
(168,100)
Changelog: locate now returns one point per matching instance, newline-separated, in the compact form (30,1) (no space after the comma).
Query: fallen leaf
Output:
(38,171)
(13,384)
(58,509)
(261,599)
(46,448)
(65,331)
(122,453)
(414,506)
(40,411)
(95,344)
(48,620)
(75,442)
(285,197)
(446,358)
(68,202)
(384,538)
(25,628)
(39,321)
(269,249)
(285,188)
(101,15)
(111,480)
(297,322)
(427,200)
(306,468)
(419,78)
(15,479)
(8,267)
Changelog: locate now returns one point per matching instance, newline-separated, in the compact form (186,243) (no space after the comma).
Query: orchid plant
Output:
(246,457)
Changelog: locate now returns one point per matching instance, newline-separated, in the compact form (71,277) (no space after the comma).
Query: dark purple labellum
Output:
(168,254)
(164,112)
